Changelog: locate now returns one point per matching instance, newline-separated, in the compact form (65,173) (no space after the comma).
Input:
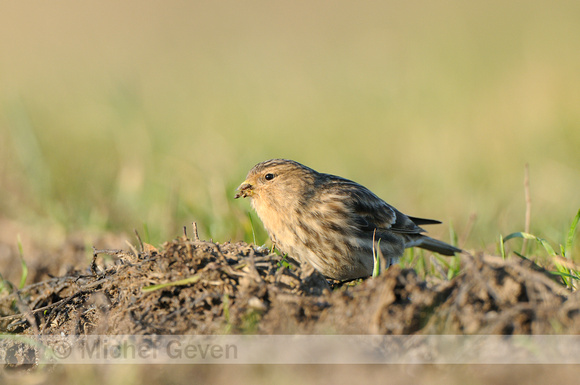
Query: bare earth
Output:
(239,289)
(236,288)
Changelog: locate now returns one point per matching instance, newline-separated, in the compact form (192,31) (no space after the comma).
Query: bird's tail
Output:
(431,244)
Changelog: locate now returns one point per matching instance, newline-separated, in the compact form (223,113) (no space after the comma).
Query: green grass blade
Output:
(22,263)
(252,226)
(542,241)
(421,266)
(377,259)
(502,246)
(454,238)
(562,274)
(519,235)
(450,264)
(570,237)
(547,246)
(521,256)
(226,308)
(181,282)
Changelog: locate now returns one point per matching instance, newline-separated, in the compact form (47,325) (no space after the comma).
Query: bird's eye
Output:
(269,176)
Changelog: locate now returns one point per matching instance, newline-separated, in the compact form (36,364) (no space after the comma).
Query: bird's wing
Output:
(370,212)
(424,221)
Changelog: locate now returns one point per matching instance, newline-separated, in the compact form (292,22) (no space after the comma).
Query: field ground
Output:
(239,289)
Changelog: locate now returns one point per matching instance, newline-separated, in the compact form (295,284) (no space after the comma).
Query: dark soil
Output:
(237,288)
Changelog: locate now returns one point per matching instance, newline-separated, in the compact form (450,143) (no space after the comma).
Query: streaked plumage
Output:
(329,221)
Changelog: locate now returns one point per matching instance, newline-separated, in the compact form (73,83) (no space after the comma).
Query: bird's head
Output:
(275,180)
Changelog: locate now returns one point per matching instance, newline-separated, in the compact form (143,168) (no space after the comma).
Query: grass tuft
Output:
(563,263)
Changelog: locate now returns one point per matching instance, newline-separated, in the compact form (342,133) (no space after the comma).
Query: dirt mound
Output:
(197,287)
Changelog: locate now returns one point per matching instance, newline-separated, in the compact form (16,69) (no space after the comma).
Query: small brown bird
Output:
(329,221)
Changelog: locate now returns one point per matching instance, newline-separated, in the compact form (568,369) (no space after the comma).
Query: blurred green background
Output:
(147,115)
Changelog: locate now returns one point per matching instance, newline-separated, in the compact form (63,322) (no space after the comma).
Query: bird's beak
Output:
(244,190)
